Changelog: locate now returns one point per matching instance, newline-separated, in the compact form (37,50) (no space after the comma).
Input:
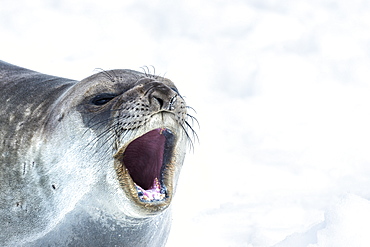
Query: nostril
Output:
(160,101)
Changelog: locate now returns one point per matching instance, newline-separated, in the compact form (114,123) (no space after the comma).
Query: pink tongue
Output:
(151,194)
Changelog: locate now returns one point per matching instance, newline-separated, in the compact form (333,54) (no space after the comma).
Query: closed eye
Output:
(102,99)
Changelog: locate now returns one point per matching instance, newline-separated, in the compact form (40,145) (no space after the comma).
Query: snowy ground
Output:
(281,90)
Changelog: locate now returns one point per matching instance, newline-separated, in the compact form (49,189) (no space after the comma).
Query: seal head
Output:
(101,156)
(146,122)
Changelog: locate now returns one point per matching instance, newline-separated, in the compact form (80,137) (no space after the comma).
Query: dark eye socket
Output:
(103,98)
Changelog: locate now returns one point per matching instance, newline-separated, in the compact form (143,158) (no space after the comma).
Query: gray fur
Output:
(58,186)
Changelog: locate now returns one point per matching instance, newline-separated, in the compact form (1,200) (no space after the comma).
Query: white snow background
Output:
(282,94)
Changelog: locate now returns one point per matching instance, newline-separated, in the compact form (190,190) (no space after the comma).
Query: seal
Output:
(92,162)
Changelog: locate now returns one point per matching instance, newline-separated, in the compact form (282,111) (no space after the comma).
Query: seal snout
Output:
(162,97)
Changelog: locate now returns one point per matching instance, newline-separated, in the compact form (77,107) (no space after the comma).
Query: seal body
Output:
(88,163)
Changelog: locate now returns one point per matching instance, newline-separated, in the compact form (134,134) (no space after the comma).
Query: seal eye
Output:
(103,98)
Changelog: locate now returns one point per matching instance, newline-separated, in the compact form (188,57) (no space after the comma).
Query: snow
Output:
(346,224)
(280,88)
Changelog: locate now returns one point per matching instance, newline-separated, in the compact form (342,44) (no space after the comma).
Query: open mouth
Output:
(147,160)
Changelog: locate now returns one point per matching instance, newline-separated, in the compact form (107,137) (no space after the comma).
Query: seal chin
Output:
(145,168)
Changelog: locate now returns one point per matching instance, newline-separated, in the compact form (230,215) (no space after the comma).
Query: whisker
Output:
(193,119)
(191,108)
(154,76)
(106,73)
(95,125)
(99,136)
(188,137)
(195,135)
(145,70)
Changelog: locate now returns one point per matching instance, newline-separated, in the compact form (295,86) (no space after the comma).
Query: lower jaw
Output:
(139,204)
(155,193)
